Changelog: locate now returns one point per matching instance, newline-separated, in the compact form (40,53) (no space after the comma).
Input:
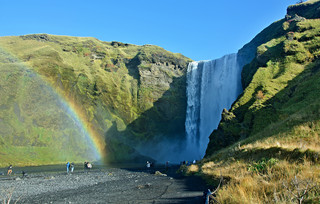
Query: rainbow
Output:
(73,110)
(79,117)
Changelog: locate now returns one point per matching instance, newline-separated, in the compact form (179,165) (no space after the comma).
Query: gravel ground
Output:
(102,185)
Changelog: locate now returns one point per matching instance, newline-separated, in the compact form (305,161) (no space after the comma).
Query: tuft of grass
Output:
(262,165)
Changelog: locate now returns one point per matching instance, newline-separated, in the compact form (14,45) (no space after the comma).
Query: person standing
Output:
(9,170)
(89,165)
(72,167)
(68,167)
(167,166)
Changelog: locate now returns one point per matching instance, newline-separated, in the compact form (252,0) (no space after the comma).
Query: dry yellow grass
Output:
(273,185)
(250,178)
(193,169)
(274,169)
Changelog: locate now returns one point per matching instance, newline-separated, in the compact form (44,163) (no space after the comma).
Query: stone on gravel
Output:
(158,173)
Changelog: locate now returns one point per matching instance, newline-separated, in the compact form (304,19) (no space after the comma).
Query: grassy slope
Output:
(105,81)
(267,146)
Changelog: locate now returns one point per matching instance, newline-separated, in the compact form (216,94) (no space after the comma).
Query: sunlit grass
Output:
(268,184)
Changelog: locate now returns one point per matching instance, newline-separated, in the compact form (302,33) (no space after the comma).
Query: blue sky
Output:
(199,29)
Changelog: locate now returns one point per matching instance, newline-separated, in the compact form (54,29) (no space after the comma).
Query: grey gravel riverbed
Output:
(103,185)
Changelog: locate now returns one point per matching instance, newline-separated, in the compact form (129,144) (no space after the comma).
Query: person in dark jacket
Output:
(9,170)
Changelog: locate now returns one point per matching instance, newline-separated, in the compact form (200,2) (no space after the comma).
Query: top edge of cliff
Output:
(65,39)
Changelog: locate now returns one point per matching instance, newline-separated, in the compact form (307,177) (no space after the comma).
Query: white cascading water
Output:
(211,87)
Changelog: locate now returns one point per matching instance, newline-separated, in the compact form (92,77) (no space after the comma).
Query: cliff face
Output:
(280,82)
(128,94)
(309,9)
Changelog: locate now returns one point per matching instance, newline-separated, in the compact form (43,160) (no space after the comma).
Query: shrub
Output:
(259,95)
(262,165)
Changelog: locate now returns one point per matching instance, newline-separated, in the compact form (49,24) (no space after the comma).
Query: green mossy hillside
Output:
(113,85)
(282,80)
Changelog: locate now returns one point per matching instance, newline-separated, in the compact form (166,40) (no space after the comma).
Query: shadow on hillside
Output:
(132,65)
(158,131)
(256,154)
(298,95)
(280,113)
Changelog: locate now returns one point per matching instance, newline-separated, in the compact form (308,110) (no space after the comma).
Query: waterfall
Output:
(211,87)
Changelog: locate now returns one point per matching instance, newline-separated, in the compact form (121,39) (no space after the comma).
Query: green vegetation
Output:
(267,145)
(285,83)
(263,165)
(113,85)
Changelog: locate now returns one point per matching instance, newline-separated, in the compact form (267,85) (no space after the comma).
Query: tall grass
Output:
(281,182)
